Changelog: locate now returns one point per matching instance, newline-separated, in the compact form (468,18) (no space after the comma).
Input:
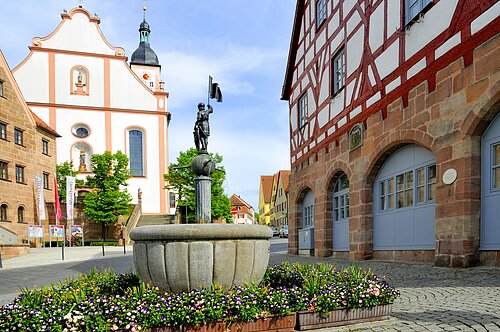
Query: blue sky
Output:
(242,44)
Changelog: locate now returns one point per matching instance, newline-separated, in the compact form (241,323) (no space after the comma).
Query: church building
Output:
(84,88)
(395,130)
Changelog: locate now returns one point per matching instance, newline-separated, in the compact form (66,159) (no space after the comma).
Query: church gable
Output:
(78,32)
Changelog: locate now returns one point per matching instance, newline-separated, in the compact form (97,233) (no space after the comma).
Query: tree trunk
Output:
(103,237)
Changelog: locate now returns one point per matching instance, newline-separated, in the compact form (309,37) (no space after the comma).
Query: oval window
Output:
(81,131)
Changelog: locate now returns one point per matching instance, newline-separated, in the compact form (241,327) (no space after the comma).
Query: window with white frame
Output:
(19,174)
(413,8)
(3,212)
(18,136)
(303,112)
(4,170)
(45,147)
(136,155)
(20,214)
(3,131)
(338,71)
(341,199)
(320,12)
(414,187)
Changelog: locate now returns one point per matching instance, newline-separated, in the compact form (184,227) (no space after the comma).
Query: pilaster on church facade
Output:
(81,85)
(395,132)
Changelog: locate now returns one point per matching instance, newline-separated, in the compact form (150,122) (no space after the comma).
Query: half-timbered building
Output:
(395,130)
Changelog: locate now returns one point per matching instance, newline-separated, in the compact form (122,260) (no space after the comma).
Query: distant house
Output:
(27,149)
(244,212)
(395,130)
(265,190)
(274,211)
(280,199)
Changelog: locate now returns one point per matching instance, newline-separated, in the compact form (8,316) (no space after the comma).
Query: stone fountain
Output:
(193,256)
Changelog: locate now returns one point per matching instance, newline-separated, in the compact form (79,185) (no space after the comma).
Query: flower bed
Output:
(110,302)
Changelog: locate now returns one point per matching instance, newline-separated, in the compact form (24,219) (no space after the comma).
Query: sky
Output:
(242,44)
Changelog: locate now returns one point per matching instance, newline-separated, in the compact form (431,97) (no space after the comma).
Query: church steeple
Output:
(144,55)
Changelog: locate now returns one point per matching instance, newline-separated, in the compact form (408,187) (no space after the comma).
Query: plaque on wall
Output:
(356,136)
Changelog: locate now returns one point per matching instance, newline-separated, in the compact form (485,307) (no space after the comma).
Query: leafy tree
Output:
(181,178)
(62,170)
(111,199)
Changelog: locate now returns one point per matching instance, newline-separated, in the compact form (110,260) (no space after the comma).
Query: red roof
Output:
(43,125)
(266,182)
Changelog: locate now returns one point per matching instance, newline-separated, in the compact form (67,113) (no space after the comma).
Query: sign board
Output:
(35,231)
(56,231)
(233,210)
(76,231)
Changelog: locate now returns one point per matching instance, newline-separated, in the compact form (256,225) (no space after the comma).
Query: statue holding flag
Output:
(202,127)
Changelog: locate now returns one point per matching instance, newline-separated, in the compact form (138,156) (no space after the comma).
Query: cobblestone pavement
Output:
(432,298)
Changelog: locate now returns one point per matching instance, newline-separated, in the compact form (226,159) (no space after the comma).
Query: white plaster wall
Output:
(339,38)
(78,34)
(376,34)
(337,104)
(334,23)
(33,77)
(354,51)
(42,113)
(435,21)
(150,184)
(393,16)
(485,18)
(416,68)
(388,60)
(353,22)
(127,91)
(448,45)
(324,92)
(66,119)
(321,40)
(347,6)
(392,85)
(95,66)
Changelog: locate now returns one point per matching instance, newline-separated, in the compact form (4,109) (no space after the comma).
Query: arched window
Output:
(20,214)
(136,153)
(3,212)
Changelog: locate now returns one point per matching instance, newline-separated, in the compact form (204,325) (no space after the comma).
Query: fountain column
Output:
(203,191)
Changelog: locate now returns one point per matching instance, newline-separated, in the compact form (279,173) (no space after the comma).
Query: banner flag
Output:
(214,91)
(70,197)
(57,201)
(40,197)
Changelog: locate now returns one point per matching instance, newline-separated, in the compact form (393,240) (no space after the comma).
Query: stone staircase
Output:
(160,219)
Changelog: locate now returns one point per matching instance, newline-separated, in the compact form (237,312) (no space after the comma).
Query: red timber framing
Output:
(369,90)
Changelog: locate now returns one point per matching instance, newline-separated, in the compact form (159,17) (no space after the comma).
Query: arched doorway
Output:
(340,214)
(404,197)
(306,231)
(490,187)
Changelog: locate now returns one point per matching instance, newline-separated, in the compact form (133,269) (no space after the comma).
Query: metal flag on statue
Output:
(214,91)
(40,197)
(70,197)
(58,202)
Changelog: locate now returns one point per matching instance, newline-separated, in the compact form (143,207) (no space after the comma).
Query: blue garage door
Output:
(341,214)
(490,187)
(404,201)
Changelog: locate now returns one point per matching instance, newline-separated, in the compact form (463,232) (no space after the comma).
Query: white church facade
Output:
(85,89)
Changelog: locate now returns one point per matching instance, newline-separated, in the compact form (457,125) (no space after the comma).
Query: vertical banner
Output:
(57,202)
(70,197)
(40,198)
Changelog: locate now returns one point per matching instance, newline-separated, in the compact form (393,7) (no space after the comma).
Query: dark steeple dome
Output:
(144,55)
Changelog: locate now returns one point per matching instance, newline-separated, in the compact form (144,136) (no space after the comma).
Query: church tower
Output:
(144,61)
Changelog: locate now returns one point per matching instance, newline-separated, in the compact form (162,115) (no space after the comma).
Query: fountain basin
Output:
(193,256)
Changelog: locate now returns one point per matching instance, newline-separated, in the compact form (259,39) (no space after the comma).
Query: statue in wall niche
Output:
(202,127)
(81,84)
(83,166)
